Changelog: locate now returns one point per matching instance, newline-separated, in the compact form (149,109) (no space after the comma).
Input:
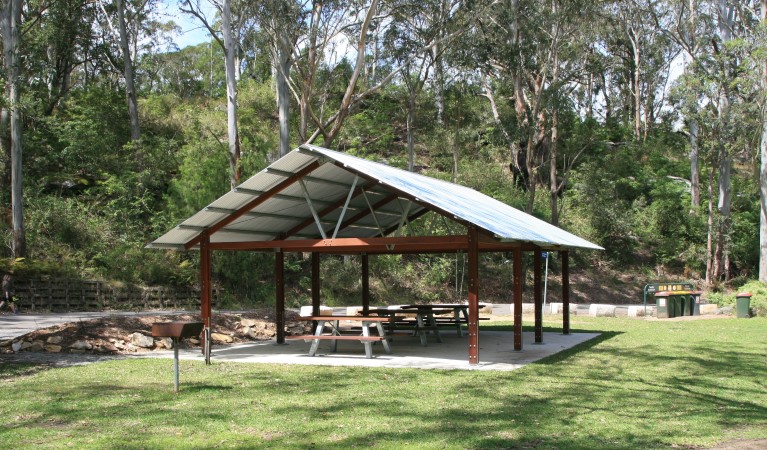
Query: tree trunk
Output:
(635,85)
(10,21)
(763,171)
(284,61)
(710,233)
(130,87)
(231,95)
(694,170)
(553,184)
(410,119)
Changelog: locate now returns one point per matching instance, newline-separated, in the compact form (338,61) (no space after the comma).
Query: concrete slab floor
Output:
(496,352)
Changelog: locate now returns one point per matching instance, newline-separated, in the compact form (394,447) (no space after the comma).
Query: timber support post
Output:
(473,324)
(518,299)
(279,304)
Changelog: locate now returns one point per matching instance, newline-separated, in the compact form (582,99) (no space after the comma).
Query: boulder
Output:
(141,340)
(36,346)
(248,323)
(81,345)
(164,342)
(637,311)
(16,346)
(52,348)
(709,308)
(598,310)
(221,338)
(54,340)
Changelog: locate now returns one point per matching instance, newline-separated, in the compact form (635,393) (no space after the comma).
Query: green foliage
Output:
(758,301)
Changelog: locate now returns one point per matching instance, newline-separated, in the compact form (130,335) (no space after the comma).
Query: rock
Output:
(36,346)
(709,308)
(597,310)
(76,351)
(16,346)
(140,340)
(221,338)
(52,348)
(727,310)
(194,341)
(247,323)
(55,340)
(637,311)
(4,344)
(81,345)
(119,345)
(556,308)
(165,342)
(130,347)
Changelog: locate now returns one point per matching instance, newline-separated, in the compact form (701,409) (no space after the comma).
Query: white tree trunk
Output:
(763,171)
(283,91)
(130,85)
(10,21)
(694,160)
(231,94)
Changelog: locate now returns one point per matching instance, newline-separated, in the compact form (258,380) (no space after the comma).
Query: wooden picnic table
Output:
(427,318)
(335,334)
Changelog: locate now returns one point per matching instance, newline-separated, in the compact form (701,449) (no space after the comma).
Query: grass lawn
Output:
(642,384)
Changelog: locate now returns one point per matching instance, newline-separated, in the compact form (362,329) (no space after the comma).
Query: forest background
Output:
(637,124)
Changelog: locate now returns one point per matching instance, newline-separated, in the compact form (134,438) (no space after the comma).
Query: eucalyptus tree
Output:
(10,117)
(414,26)
(124,19)
(529,54)
(763,151)
(223,34)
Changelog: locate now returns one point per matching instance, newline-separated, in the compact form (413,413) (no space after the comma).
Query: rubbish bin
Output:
(687,304)
(743,305)
(662,305)
(695,296)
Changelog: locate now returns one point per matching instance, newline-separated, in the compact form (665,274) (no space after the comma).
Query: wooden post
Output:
(365,284)
(518,299)
(473,324)
(205,285)
(565,292)
(316,284)
(279,304)
(538,294)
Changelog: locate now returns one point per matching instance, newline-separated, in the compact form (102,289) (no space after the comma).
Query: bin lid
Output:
(744,294)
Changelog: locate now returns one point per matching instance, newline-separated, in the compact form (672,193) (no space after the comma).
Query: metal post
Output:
(545,279)
(175,365)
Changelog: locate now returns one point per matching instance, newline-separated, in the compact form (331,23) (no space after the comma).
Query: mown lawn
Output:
(642,384)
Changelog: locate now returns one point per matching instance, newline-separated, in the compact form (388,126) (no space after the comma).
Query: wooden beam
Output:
(352,245)
(316,284)
(473,324)
(205,287)
(279,303)
(365,284)
(565,292)
(538,294)
(256,201)
(518,299)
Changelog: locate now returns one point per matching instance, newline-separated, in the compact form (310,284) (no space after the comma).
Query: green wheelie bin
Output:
(743,305)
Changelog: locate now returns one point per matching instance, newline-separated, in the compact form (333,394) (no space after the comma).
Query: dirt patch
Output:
(125,335)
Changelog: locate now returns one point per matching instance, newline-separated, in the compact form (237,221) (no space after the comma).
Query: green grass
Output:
(642,384)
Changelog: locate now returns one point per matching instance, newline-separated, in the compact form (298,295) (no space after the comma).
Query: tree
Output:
(763,158)
(121,33)
(225,38)
(10,117)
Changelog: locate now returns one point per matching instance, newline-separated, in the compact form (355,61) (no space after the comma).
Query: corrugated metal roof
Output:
(328,190)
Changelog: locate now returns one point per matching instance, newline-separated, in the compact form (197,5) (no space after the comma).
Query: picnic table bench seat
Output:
(336,335)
